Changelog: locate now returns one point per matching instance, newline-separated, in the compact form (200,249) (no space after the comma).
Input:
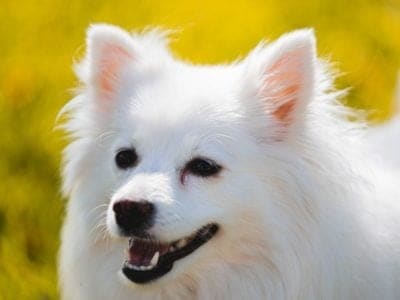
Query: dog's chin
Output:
(149,259)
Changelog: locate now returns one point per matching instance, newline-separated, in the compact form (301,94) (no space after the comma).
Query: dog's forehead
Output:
(185,86)
(188,107)
(186,97)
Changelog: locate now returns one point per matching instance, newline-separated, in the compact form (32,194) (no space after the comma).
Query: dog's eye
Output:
(126,158)
(202,167)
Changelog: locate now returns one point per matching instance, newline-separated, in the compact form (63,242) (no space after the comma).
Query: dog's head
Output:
(187,159)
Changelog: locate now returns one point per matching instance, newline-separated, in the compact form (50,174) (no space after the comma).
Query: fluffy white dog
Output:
(240,181)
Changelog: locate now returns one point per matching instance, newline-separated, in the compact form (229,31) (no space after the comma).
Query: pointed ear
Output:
(286,74)
(109,53)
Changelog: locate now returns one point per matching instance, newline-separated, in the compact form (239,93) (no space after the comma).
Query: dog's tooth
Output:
(171,248)
(181,243)
(155,258)
(137,268)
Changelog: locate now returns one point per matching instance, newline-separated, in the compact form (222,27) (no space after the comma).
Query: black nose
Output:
(134,217)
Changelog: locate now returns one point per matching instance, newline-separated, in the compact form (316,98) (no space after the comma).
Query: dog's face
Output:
(173,162)
(185,156)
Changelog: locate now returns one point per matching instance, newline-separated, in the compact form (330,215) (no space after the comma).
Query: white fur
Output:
(385,139)
(304,213)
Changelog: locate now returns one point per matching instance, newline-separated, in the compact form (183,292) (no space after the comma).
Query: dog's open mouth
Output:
(149,259)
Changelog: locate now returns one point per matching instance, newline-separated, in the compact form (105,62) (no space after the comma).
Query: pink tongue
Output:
(142,251)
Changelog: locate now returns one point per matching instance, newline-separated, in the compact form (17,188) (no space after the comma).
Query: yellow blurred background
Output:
(41,39)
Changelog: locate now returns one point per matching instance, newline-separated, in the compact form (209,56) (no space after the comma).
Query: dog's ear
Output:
(110,52)
(285,72)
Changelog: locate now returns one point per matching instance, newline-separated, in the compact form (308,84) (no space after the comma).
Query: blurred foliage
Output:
(40,39)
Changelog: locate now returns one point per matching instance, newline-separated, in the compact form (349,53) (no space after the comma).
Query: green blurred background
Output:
(40,40)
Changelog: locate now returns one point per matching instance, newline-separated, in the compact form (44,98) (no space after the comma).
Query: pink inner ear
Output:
(114,58)
(282,86)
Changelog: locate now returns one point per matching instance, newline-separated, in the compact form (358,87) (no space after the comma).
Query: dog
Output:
(234,181)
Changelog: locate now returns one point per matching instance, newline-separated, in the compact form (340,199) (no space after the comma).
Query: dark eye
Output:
(126,158)
(202,167)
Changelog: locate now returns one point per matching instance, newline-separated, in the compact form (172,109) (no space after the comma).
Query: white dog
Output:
(240,181)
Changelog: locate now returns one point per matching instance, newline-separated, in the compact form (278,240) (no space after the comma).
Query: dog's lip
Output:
(149,259)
